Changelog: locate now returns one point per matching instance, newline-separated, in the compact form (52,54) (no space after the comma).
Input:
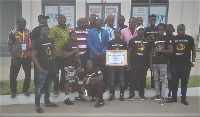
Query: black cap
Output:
(43,16)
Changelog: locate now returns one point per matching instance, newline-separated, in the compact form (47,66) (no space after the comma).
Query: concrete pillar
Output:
(26,8)
(80,9)
(126,10)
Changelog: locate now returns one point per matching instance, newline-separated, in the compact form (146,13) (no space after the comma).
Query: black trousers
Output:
(14,71)
(59,63)
(138,75)
(97,89)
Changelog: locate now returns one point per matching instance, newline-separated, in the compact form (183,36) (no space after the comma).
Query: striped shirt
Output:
(81,40)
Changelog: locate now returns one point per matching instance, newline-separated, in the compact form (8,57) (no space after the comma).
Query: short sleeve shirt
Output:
(44,48)
(140,51)
(182,50)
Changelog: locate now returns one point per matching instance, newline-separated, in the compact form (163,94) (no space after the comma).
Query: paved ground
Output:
(115,108)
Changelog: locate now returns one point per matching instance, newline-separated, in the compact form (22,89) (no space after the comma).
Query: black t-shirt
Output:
(95,73)
(74,59)
(140,52)
(170,39)
(182,50)
(117,44)
(35,34)
(44,48)
(161,44)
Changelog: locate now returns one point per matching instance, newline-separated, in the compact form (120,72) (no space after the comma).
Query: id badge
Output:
(23,46)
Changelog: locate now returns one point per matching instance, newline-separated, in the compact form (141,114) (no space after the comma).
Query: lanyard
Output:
(22,34)
(100,36)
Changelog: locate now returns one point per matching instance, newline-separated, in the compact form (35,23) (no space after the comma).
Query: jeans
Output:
(116,73)
(138,75)
(14,70)
(43,80)
(182,72)
(160,77)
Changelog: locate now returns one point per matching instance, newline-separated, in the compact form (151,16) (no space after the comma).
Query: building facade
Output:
(167,11)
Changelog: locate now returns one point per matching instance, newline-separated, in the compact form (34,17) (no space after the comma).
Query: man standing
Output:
(127,34)
(150,34)
(35,34)
(92,21)
(138,62)
(181,62)
(60,35)
(97,41)
(20,49)
(43,56)
(110,26)
(117,72)
(121,21)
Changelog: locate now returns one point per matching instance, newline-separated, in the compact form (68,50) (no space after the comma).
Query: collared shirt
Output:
(126,34)
(110,31)
(20,42)
(60,37)
(81,40)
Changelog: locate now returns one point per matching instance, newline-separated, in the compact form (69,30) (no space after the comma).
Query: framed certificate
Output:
(116,57)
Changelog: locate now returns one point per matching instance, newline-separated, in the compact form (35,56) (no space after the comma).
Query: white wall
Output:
(185,12)
(30,11)
(80,9)
(126,10)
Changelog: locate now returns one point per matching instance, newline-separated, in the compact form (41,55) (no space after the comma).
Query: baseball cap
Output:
(43,16)
(140,27)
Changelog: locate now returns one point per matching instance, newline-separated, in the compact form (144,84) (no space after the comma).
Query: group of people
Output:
(80,56)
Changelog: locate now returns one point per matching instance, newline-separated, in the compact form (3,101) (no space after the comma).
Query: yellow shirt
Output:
(60,37)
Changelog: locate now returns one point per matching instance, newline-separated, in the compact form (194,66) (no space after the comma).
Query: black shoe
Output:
(142,97)
(99,104)
(174,100)
(131,97)
(184,102)
(112,97)
(121,97)
(13,95)
(80,98)
(94,98)
(169,100)
(26,93)
(68,102)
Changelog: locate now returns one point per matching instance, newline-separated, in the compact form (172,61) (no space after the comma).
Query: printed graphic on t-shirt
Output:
(160,46)
(180,47)
(140,47)
(117,46)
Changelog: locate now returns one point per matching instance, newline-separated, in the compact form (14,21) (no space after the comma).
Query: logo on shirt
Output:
(141,47)
(180,47)
(170,41)
(48,51)
(159,46)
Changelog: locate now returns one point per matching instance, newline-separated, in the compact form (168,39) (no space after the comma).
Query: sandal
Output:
(39,110)
(51,105)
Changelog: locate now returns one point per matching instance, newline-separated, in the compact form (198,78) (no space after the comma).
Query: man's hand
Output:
(41,70)
(99,54)
(158,50)
(192,64)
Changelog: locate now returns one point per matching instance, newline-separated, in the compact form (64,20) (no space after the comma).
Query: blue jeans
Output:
(43,80)
(116,72)
(183,73)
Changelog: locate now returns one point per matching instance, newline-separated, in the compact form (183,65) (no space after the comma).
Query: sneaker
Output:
(162,102)
(169,100)
(13,95)
(121,97)
(112,97)
(131,97)
(26,94)
(80,98)
(94,98)
(56,93)
(99,104)
(142,97)
(169,95)
(68,102)
(156,98)
(184,102)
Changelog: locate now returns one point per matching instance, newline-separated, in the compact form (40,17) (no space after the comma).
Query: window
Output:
(54,7)
(143,8)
